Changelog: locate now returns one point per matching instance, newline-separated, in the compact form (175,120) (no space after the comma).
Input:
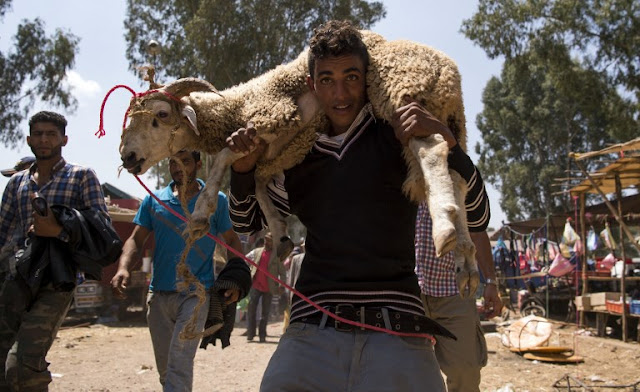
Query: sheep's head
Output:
(161,124)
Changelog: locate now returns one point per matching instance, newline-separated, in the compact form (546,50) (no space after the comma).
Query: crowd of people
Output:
(368,255)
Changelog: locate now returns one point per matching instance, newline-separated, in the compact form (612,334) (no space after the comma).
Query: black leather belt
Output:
(393,320)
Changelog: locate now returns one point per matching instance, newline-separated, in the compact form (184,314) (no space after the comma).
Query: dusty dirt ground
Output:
(119,357)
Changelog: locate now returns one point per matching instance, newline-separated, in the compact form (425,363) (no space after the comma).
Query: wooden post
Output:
(624,260)
(583,234)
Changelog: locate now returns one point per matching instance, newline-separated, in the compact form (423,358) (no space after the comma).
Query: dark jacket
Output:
(93,244)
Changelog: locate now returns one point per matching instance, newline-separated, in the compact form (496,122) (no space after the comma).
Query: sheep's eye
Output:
(163,114)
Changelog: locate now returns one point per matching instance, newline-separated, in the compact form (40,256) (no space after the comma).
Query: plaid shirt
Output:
(436,276)
(70,185)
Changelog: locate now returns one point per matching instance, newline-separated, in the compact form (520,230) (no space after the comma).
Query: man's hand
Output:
(119,282)
(492,302)
(231,296)
(245,140)
(46,226)
(414,120)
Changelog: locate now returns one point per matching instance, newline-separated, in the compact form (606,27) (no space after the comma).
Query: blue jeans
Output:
(312,358)
(167,315)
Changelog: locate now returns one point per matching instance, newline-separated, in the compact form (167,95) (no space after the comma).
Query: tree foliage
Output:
(34,68)
(603,34)
(227,42)
(550,98)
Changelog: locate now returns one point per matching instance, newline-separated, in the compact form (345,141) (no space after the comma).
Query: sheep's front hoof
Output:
(197,227)
(445,241)
(467,282)
(285,247)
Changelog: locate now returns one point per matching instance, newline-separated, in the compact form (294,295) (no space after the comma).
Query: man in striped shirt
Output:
(26,336)
(360,257)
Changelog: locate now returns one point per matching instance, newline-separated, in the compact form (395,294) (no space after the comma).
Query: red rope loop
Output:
(101,132)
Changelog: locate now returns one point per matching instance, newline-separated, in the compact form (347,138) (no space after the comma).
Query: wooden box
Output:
(583,303)
(600,299)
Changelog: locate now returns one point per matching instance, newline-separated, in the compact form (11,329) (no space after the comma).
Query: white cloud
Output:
(82,88)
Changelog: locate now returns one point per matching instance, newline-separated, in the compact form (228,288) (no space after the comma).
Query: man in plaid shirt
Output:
(460,360)
(26,335)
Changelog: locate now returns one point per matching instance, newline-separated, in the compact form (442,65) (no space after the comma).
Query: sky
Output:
(101,64)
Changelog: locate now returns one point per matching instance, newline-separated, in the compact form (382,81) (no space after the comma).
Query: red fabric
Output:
(260,280)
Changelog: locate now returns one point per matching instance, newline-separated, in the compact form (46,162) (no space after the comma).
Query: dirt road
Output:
(118,357)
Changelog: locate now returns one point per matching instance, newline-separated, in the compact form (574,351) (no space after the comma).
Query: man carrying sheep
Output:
(359,260)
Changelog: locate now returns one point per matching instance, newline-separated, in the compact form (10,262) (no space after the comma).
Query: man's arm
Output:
(130,250)
(492,302)
(8,211)
(244,210)
(231,238)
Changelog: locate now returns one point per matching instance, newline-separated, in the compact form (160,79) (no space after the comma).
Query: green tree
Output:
(603,34)
(569,83)
(229,42)
(534,114)
(33,69)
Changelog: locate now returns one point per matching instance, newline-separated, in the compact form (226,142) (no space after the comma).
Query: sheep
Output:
(190,114)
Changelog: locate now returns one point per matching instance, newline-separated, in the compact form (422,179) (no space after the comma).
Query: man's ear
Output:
(190,115)
(310,84)
(65,140)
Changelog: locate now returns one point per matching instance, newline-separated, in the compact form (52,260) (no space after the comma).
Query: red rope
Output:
(296,292)
(101,132)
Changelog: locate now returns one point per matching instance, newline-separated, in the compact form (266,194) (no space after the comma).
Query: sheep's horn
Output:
(183,87)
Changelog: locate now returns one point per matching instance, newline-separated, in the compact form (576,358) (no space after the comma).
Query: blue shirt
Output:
(169,243)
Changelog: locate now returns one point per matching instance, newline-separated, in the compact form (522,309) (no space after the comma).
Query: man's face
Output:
(46,140)
(340,86)
(191,168)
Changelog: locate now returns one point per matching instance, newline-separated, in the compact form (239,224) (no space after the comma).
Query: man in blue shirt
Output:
(169,310)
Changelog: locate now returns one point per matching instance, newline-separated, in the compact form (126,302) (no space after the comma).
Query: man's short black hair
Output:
(336,38)
(51,117)
(195,154)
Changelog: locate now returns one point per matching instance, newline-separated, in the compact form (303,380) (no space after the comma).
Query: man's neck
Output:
(44,168)
(192,188)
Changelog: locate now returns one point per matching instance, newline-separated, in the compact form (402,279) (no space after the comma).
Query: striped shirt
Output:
(70,185)
(360,225)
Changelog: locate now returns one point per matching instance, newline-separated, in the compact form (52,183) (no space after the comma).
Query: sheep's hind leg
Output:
(277,225)
(467,275)
(432,152)
(207,202)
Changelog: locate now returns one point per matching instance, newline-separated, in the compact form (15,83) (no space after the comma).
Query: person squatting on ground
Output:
(30,321)
(360,256)
(263,287)
(460,360)
(169,310)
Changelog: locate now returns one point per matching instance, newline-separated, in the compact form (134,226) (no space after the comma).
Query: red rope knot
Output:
(101,132)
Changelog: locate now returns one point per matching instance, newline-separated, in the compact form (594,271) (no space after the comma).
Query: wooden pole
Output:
(624,261)
(583,234)
(613,210)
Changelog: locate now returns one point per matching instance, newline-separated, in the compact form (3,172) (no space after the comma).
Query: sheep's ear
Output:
(190,115)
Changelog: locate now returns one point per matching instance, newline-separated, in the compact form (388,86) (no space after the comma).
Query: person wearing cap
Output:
(360,255)
(26,335)
(461,360)
(22,164)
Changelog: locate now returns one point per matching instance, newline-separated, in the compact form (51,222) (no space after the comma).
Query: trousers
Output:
(314,358)
(254,298)
(460,360)
(167,315)
(27,335)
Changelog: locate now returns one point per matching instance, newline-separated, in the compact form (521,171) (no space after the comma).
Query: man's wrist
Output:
(491,281)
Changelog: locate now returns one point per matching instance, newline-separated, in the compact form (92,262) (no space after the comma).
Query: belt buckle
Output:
(347,311)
